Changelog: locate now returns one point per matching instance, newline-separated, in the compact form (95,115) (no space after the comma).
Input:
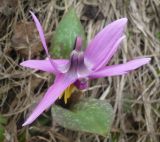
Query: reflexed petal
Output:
(44,65)
(110,54)
(42,37)
(41,33)
(120,69)
(61,83)
(103,42)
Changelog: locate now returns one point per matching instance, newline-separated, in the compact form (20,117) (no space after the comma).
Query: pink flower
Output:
(82,65)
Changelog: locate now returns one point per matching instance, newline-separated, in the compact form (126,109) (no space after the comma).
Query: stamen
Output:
(67,93)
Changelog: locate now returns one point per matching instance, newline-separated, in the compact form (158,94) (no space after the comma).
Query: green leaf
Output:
(1,133)
(2,120)
(22,137)
(91,115)
(2,130)
(68,29)
(158,35)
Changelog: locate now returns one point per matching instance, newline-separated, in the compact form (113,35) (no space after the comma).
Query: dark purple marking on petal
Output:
(76,64)
(82,69)
(81,83)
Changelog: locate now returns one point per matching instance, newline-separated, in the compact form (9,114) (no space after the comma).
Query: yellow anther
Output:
(67,93)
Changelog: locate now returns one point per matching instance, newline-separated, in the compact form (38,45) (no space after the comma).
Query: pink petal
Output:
(41,33)
(120,69)
(101,46)
(42,37)
(61,83)
(44,65)
(110,54)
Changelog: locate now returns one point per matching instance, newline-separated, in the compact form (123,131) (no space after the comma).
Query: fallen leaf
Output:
(25,39)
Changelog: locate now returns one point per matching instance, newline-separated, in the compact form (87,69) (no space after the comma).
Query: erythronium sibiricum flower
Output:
(82,65)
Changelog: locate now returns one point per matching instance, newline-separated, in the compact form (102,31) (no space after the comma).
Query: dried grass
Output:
(135,97)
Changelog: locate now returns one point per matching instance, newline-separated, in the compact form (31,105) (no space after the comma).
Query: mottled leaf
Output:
(68,29)
(90,115)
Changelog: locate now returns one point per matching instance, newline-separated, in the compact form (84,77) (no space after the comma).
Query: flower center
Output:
(77,67)
(77,64)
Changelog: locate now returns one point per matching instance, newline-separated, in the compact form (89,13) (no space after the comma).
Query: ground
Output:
(135,97)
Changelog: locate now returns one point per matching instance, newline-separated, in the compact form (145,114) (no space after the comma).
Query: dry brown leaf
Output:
(25,39)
